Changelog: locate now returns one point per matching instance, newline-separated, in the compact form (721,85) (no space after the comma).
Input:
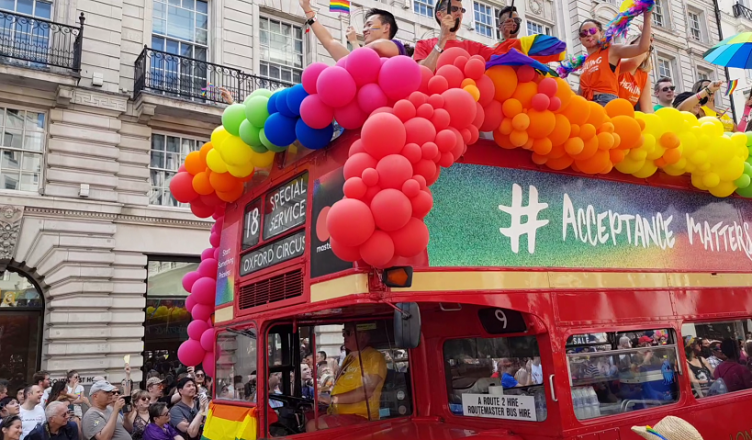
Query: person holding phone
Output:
(187,416)
(103,420)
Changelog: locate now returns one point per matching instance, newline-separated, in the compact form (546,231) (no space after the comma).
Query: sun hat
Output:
(670,428)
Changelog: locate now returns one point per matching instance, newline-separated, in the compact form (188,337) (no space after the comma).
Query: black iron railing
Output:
(742,11)
(188,78)
(37,43)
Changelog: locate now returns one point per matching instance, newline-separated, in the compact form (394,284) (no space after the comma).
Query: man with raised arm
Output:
(379,31)
(427,51)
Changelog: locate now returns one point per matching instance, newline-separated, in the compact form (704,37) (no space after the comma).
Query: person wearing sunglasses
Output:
(599,80)
(665,92)
(427,51)
(704,92)
(634,80)
(160,428)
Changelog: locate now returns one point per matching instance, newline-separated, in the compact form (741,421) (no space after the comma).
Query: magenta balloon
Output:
(190,353)
(364,65)
(350,117)
(207,339)
(220,223)
(216,254)
(371,97)
(202,312)
(214,239)
(310,75)
(336,87)
(196,329)
(189,279)
(204,291)
(399,77)
(208,364)
(207,253)
(208,268)
(341,63)
(190,302)
(315,113)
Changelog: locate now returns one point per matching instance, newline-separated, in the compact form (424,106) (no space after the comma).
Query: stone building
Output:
(737,18)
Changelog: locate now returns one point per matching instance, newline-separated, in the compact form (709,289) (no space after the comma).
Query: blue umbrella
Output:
(735,51)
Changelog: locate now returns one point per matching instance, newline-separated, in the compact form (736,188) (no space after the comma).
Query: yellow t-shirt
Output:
(728,123)
(350,378)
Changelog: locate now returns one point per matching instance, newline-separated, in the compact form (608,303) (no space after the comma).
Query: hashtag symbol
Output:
(517,212)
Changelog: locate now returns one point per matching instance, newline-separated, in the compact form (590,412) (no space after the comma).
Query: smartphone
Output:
(127,400)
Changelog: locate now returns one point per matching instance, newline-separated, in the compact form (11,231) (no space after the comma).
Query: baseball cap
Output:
(645,339)
(153,381)
(101,385)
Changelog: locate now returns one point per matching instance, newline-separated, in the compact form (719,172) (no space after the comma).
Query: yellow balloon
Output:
(723,189)
(262,160)
(647,170)
(711,126)
(629,165)
(656,153)
(215,163)
(218,136)
(710,180)
(240,171)
(671,117)
(235,152)
(697,182)
(638,154)
(731,170)
(674,170)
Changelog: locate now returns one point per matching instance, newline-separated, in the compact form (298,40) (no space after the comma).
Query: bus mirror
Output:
(407,325)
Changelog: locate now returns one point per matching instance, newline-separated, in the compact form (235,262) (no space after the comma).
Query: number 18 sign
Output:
(251,224)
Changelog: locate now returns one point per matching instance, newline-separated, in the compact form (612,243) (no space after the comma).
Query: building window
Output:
(658,17)
(167,153)
(281,50)
(694,25)
(28,40)
(423,7)
(703,74)
(484,20)
(22,149)
(21,313)
(665,68)
(534,28)
(33,8)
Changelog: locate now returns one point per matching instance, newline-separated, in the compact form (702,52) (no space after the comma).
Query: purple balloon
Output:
(196,329)
(207,253)
(202,312)
(207,340)
(190,302)
(189,279)
(208,268)
(190,353)
(204,292)
(214,239)
(208,364)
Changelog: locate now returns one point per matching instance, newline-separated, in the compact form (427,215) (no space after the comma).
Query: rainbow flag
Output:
(732,86)
(224,422)
(341,6)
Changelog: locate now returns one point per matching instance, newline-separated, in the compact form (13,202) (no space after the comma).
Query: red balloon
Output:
(438,84)
(425,111)
(354,188)
(446,160)
(404,110)
(461,107)
(465,138)
(436,101)
(211,200)
(453,75)
(419,131)
(422,204)
(418,99)
(475,69)
(412,152)
(384,134)
(370,177)
(200,210)
(450,55)
(350,117)
(356,163)
(425,168)
(555,104)
(487,90)
(440,119)
(350,222)
(371,193)
(356,147)
(480,116)
(378,250)
(421,180)
(548,87)
(445,140)
(393,171)
(460,62)
(525,74)
(493,116)
(181,187)
(411,188)
(425,76)
(541,101)
(370,97)
(459,144)
(391,209)
(429,150)
(412,239)
(346,253)
(474,136)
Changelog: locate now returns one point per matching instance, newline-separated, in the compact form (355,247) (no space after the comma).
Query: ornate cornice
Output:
(118,218)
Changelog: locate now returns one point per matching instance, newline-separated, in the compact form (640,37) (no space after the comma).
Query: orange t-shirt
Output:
(631,85)
(597,76)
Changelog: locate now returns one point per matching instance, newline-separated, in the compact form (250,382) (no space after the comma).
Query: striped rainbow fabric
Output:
(341,6)
(224,422)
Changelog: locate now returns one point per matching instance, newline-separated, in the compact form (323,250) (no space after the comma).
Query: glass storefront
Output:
(21,315)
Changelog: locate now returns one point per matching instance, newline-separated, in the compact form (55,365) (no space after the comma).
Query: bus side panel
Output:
(585,307)
(713,302)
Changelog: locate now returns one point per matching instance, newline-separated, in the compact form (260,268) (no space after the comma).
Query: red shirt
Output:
(424,47)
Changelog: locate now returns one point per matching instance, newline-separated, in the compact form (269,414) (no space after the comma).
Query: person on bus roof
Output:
(356,394)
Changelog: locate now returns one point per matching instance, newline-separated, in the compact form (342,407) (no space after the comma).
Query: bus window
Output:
(478,368)
(718,356)
(617,372)
(236,365)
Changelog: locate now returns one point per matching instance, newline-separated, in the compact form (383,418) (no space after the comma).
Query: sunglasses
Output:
(587,32)
(516,20)
(199,374)
(457,8)
(666,89)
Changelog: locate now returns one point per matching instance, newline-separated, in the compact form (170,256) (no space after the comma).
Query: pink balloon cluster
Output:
(400,153)
(199,348)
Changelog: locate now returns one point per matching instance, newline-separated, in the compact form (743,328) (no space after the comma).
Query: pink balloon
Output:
(219,223)
(196,329)
(350,117)
(350,222)
(399,77)
(216,254)
(190,302)
(391,209)
(370,97)
(364,65)
(207,340)
(214,239)
(341,63)
(190,353)
(208,268)
(315,113)
(204,291)
(208,363)
(207,253)
(311,75)
(189,279)
(202,312)
(336,87)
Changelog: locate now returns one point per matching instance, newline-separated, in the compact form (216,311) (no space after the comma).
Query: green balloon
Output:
(249,134)
(748,167)
(261,92)
(749,138)
(232,117)
(745,192)
(269,145)
(256,110)
(743,181)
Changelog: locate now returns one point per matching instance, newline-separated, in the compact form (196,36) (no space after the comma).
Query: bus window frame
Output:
(683,384)
(234,329)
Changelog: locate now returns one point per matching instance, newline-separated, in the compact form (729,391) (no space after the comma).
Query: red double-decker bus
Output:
(548,305)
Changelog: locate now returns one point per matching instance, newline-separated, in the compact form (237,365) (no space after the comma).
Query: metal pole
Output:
(720,38)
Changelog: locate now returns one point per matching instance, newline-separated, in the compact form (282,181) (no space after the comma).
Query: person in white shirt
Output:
(536,371)
(32,413)
(42,379)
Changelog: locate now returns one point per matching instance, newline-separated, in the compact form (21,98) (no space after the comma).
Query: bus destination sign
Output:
(273,253)
(285,206)
(251,224)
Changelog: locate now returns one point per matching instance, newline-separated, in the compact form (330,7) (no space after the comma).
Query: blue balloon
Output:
(313,138)
(279,129)
(295,97)
(282,106)
(271,105)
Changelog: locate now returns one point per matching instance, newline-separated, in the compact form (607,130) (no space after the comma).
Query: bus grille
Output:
(278,288)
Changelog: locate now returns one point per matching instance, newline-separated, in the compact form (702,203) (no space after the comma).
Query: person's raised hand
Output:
(203,401)
(118,404)
(127,369)
(447,23)
(714,86)
(226,95)
(351,34)
(305,4)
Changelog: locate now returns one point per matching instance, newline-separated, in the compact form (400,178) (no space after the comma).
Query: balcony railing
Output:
(742,11)
(188,78)
(37,43)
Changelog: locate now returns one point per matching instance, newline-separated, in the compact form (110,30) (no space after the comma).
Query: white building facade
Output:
(737,18)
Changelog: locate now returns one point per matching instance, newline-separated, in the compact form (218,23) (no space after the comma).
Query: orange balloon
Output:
(660,162)
(605,141)
(506,126)
(597,114)
(575,130)
(606,127)
(557,152)
(559,164)
(594,164)
(511,108)
(587,132)
(562,130)
(473,91)
(541,123)
(504,79)
(521,122)
(589,149)
(607,169)
(518,138)
(205,149)
(194,164)
(467,82)
(672,156)
(247,178)
(538,159)
(620,107)
(528,145)
(525,92)
(642,124)
(223,181)
(617,140)
(502,140)
(670,140)
(628,130)
(574,146)
(542,146)
(231,196)
(617,155)
(577,111)
(563,92)
(201,184)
